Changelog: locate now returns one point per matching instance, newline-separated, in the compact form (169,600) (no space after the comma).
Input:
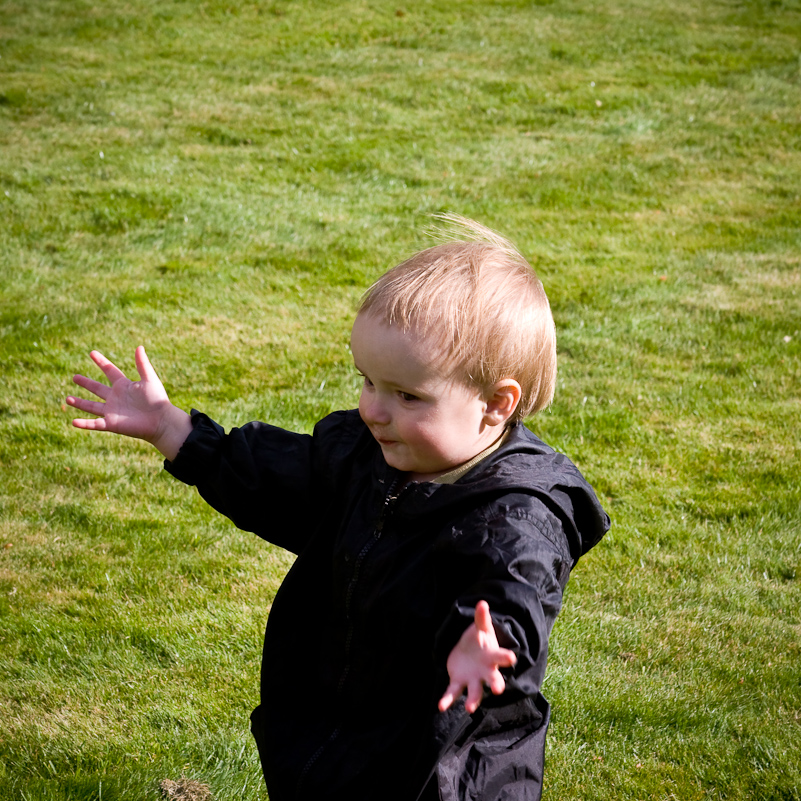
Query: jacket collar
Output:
(524,464)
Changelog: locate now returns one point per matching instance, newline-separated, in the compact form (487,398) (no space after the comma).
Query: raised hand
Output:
(475,661)
(139,409)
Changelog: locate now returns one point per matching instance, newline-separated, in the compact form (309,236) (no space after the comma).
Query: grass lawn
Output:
(220,181)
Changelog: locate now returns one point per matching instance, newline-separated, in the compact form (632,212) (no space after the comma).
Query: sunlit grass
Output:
(221,181)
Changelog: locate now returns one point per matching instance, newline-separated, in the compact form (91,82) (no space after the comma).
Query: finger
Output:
(503,657)
(84,405)
(143,365)
(453,691)
(89,384)
(475,693)
(496,683)
(110,370)
(97,424)
(483,619)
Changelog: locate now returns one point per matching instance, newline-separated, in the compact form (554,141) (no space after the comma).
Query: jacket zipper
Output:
(389,501)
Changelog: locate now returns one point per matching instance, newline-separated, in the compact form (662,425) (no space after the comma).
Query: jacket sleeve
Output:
(518,560)
(265,479)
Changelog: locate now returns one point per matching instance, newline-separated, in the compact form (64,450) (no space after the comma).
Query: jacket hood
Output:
(523,464)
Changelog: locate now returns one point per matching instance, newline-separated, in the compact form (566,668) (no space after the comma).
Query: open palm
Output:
(133,408)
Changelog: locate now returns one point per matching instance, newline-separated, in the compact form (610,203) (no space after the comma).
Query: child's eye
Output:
(367,381)
(407,396)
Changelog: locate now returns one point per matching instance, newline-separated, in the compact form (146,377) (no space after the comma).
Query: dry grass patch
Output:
(185,790)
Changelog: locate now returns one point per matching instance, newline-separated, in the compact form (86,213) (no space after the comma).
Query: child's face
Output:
(425,423)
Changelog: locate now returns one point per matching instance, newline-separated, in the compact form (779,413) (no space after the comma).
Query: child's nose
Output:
(374,410)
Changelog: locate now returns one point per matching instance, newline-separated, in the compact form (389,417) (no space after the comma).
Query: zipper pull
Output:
(389,502)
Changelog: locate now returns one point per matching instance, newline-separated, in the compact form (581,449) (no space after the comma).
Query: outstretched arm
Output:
(139,409)
(475,661)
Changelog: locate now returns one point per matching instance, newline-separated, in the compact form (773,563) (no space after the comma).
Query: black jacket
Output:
(384,584)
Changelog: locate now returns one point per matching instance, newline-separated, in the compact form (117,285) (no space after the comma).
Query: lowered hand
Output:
(475,661)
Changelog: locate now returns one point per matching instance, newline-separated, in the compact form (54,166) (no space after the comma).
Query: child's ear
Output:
(502,400)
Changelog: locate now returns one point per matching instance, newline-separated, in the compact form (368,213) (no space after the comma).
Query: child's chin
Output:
(418,472)
(394,459)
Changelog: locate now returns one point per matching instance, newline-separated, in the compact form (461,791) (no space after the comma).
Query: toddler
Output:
(434,537)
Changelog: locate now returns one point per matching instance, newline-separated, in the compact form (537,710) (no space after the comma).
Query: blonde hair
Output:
(482,302)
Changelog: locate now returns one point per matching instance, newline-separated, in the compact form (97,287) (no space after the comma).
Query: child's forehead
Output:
(411,336)
(372,333)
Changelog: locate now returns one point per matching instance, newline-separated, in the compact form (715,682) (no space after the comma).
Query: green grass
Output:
(220,181)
